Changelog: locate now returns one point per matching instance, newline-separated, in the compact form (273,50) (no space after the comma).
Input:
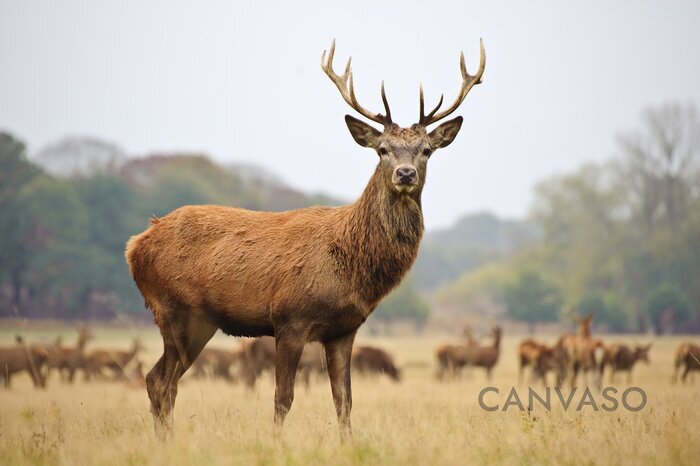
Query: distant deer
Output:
(542,359)
(452,358)
(533,355)
(487,356)
(312,362)
(259,354)
(114,360)
(136,379)
(621,357)
(582,352)
(369,360)
(69,359)
(311,274)
(688,355)
(215,362)
(23,357)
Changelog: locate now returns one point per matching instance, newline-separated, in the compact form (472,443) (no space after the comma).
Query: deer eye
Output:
(383,151)
(426,152)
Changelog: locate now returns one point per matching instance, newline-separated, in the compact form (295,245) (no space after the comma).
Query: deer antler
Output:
(468,81)
(348,92)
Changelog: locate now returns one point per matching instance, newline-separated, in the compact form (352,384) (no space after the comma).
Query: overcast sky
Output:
(243,83)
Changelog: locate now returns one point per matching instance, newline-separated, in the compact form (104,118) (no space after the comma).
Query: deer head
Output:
(403,152)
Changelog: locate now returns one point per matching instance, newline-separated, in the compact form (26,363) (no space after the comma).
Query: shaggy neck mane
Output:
(380,236)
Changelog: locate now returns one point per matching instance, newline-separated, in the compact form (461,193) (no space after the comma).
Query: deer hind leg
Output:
(183,340)
(338,357)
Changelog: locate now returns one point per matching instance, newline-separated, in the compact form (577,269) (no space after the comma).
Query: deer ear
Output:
(443,135)
(364,134)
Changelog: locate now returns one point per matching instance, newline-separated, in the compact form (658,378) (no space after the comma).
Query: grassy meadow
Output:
(418,421)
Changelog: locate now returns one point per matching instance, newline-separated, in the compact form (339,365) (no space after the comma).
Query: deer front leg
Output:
(288,349)
(338,354)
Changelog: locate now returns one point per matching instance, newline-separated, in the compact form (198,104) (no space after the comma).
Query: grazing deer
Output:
(533,355)
(623,358)
(23,357)
(542,359)
(136,379)
(259,354)
(215,362)
(313,361)
(687,355)
(487,356)
(114,360)
(311,274)
(582,352)
(452,358)
(69,360)
(369,360)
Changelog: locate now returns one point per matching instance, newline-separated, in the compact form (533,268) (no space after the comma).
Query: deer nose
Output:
(406,175)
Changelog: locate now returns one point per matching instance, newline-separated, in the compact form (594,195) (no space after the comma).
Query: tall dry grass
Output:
(419,421)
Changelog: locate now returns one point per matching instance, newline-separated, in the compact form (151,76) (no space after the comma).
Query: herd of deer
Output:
(256,355)
(570,355)
(581,353)
(245,362)
(39,359)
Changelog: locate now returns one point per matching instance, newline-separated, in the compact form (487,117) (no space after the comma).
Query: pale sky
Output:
(243,83)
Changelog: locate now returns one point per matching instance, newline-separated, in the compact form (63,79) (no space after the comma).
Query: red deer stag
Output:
(311,274)
(687,355)
(369,360)
(623,358)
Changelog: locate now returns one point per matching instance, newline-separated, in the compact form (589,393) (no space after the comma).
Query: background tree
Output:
(15,172)
(53,227)
(667,307)
(607,310)
(532,299)
(404,303)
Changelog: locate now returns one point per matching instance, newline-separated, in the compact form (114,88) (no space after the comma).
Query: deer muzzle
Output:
(405,178)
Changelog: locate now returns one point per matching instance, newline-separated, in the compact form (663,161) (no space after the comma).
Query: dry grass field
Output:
(419,421)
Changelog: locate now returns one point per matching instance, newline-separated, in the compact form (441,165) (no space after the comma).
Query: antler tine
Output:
(425,119)
(468,81)
(346,87)
(386,103)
